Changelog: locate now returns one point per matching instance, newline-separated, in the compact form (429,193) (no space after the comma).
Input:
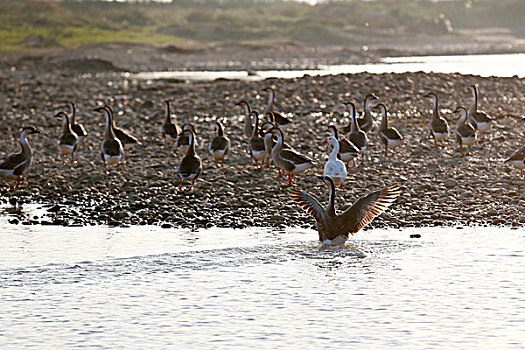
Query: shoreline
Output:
(441,188)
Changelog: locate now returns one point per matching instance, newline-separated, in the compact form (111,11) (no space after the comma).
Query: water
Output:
(138,288)
(504,65)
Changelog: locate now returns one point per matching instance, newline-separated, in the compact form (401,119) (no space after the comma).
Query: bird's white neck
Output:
(269,106)
(463,118)
(384,121)
(335,150)
(26,149)
(279,144)
(474,105)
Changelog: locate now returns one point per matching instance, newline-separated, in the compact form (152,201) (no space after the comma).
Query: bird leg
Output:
(363,159)
(84,143)
(180,184)
(63,159)
(118,166)
(386,150)
(105,168)
(222,162)
(290,178)
(17,181)
(436,143)
(521,172)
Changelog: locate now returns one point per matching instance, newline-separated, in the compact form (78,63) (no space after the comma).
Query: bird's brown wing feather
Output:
(439,125)
(12,161)
(367,208)
(309,204)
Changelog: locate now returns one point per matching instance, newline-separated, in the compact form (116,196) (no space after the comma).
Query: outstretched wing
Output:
(367,208)
(309,204)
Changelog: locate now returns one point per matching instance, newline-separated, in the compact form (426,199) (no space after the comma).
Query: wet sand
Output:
(441,188)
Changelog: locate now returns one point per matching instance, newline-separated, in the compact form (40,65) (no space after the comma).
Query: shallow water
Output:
(502,65)
(146,287)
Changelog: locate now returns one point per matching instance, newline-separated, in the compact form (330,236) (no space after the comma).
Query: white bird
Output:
(334,168)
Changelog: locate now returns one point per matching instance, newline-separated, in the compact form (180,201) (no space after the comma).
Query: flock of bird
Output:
(265,134)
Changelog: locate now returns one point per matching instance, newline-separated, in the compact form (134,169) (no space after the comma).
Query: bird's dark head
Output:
(460,109)
(371,97)
(430,95)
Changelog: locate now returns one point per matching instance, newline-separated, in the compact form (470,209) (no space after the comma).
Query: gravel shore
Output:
(441,188)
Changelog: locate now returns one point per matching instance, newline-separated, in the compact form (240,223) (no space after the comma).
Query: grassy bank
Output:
(34,25)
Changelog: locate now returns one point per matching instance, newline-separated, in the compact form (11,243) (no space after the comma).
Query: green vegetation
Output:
(44,24)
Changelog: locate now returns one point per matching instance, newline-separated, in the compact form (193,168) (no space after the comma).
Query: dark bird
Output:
(111,149)
(248,127)
(389,136)
(357,136)
(438,125)
(69,141)
(76,127)
(465,132)
(190,166)
(125,137)
(219,145)
(335,229)
(279,119)
(169,129)
(256,144)
(480,120)
(183,140)
(15,165)
(288,160)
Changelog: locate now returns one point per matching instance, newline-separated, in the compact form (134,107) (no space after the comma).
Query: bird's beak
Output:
(325,141)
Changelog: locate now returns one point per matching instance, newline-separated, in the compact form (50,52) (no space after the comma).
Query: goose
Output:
(69,141)
(190,166)
(390,137)
(288,160)
(269,141)
(16,164)
(169,129)
(334,168)
(335,229)
(479,119)
(280,120)
(219,145)
(517,159)
(111,148)
(77,128)
(438,125)
(183,140)
(248,127)
(367,122)
(347,150)
(357,136)
(256,144)
(465,132)
(125,137)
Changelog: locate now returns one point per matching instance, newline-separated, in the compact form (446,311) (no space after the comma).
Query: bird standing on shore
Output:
(190,166)
(357,136)
(335,229)
(390,137)
(76,127)
(438,125)
(125,137)
(465,132)
(248,127)
(15,165)
(219,145)
(281,121)
(479,119)
(517,159)
(347,150)
(111,149)
(334,168)
(288,160)
(69,141)
(183,140)
(256,144)
(169,129)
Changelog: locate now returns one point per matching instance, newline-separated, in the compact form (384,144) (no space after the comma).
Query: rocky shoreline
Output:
(441,188)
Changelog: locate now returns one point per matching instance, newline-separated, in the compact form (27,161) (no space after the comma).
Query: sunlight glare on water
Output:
(147,287)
